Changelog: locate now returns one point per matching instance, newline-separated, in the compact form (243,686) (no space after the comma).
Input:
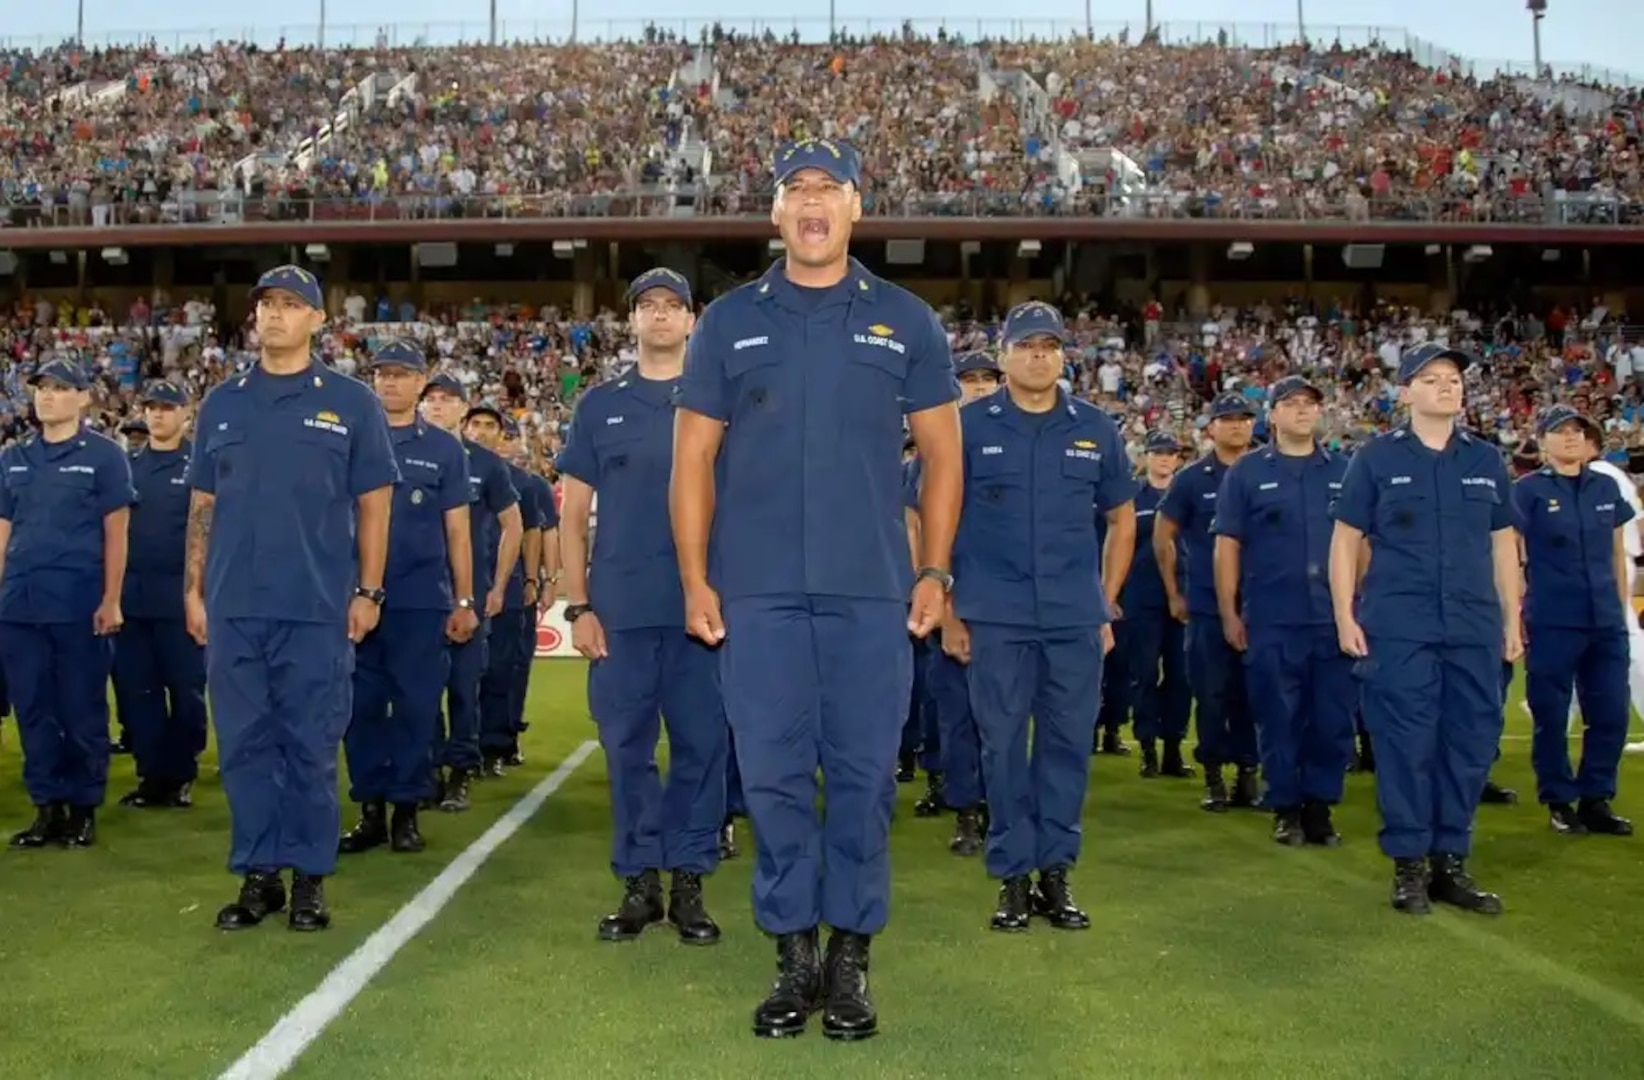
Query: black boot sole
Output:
(838,1034)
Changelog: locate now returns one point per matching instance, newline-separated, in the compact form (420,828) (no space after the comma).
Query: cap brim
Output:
(1462,360)
(1315,392)
(1029,335)
(842,176)
(257,292)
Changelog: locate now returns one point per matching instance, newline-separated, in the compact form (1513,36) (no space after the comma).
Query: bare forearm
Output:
(1227,555)
(1346,557)
(573,557)
(116,546)
(200,509)
(1119,551)
(691,498)
(371,527)
(459,550)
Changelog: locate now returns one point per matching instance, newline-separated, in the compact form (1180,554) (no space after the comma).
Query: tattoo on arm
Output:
(199,536)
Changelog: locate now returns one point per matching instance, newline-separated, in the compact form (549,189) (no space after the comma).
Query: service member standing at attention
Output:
(402,667)
(794,391)
(159,671)
(1437,614)
(1153,641)
(494,531)
(293,473)
(1034,597)
(1227,734)
(1273,531)
(1576,606)
(65,500)
(627,614)
(538,582)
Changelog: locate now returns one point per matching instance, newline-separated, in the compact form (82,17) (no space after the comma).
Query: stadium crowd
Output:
(1155,368)
(1217,129)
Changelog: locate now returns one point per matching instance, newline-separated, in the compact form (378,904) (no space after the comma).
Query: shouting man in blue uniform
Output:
(1438,612)
(788,455)
(627,616)
(1033,608)
(159,671)
(402,667)
(293,474)
(65,499)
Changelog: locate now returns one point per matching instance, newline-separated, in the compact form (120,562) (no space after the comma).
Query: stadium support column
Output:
(1198,280)
(1441,280)
(165,270)
(585,272)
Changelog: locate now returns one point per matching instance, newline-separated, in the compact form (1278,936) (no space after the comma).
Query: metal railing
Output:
(821,29)
(229,208)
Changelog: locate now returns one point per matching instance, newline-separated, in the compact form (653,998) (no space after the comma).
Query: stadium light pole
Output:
(1538,11)
(322,23)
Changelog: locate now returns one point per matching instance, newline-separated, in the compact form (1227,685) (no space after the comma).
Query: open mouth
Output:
(813,229)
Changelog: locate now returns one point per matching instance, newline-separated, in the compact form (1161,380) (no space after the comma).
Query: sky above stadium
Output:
(1603,33)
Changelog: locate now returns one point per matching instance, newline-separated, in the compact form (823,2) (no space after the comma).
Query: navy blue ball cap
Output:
(974,361)
(448,383)
(135,426)
(1231,404)
(401,354)
(1556,416)
(1161,442)
(1289,387)
(1414,360)
(660,278)
(1032,319)
(486,408)
(293,279)
(60,369)
(833,156)
(163,392)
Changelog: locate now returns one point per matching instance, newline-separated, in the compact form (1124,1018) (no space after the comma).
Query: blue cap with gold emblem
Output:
(832,156)
(163,392)
(1290,386)
(1414,360)
(448,383)
(660,278)
(60,369)
(401,354)
(293,279)
(1032,319)
(1556,416)
(965,363)
(1231,403)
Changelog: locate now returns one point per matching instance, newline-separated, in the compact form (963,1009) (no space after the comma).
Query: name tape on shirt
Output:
(879,336)
(750,343)
(327,421)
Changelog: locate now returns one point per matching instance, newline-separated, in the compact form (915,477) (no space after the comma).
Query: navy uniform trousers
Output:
(649,678)
(1305,685)
(521,688)
(961,745)
(1592,663)
(159,686)
(1118,691)
(1227,734)
(920,735)
(1155,656)
(282,695)
(1035,796)
(735,804)
(1434,717)
(818,681)
(57,675)
(500,683)
(457,736)
(400,671)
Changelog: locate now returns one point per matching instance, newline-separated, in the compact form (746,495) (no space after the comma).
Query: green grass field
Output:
(1214,951)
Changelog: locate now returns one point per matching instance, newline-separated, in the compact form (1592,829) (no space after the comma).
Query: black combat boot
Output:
(798,989)
(1599,819)
(687,911)
(1053,901)
(847,1012)
(1247,789)
(1173,764)
(79,826)
(967,832)
(403,834)
(46,829)
(1015,908)
(727,840)
(262,894)
(1317,825)
(370,832)
(1215,791)
(308,908)
(1287,828)
(641,907)
(1150,759)
(934,804)
(1410,887)
(1112,743)
(454,792)
(1451,884)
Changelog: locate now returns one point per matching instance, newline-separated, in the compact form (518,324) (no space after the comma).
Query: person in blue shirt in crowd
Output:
(1437,613)
(1152,641)
(65,509)
(1572,521)
(1227,733)
(1032,609)
(495,529)
(957,781)
(1273,531)
(402,667)
(159,671)
(790,427)
(538,578)
(486,424)
(293,472)
(627,616)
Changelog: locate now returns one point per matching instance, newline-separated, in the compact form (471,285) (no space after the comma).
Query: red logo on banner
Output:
(548,638)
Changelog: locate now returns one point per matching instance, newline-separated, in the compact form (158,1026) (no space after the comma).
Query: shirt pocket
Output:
(1477,505)
(1404,512)
(755,375)
(319,458)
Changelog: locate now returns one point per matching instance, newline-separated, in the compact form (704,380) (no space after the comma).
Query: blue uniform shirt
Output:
(1027,553)
(493,492)
(533,515)
(1144,589)
(56,496)
(1191,504)
(1278,508)
(1429,515)
(158,539)
(813,384)
(1569,525)
(287,457)
(621,444)
(434,479)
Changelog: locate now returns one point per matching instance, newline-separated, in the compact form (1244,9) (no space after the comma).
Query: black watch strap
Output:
(573,612)
(938,575)
(376,596)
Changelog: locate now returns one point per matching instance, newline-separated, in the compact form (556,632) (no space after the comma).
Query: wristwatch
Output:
(938,575)
(466,603)
(374,595)
(573,612)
